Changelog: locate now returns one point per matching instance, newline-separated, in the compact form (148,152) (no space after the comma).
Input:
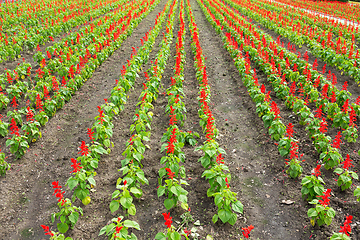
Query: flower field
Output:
(179,119)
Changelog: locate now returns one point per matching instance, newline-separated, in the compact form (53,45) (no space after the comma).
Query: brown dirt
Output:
(257,168)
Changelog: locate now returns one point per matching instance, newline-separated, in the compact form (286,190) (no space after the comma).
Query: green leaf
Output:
(215,218)
(114,205)
(132,210)
(92,180)
(312,212)
(126,201)
(72,182)
(62,227)
(160,191)
(174,190)
(73,217)
(233,219)
(102,231)
(238,207)
(135,191)
(169,203)
(160,236)
(224,215)
(131,224)
(331,213)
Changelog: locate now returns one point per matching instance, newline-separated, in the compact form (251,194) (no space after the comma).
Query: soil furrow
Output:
(252,156)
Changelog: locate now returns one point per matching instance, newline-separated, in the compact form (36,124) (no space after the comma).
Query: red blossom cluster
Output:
(170,173)
(337,141)
(220,159)
(14,128)
(29,115)
(317,171)
(76,166)
(290,130)
(347,162)
(39,104)
(47,230)
(171,147)
(58,193)
(275,110)
(101,115)
(84,150)
(325,198)
(167,219)
(90,133)
(346,228)
(247,230)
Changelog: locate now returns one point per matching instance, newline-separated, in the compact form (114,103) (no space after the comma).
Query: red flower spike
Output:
(246,231)
(167,219)
(14,128)
(84,149)
(289,130)
(325,198)
(47,230)
(90,133)
(317,171)
(346,228)
(347,163)
(220,159)
(170,173)
(76,166)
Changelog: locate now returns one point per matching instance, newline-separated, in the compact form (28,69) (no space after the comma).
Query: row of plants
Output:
(44,83)
(18,143)
(175,140)
(338,55)
(129,185)
(347,30)
(20,36)
(84,166)
(334,102)
(340,10)
(322,213)
(216,171)
(316,125)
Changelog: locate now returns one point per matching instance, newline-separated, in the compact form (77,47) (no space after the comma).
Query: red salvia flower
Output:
(325,198)
(13,102)
(167,219)
(347,163)
(76,166)
(318,112)
(323,126)
(219,159)
(84,149)
(352,116)
(344,87)
(275,110)
(246,231)
(39,104)
(90,134)
(29,115)
(227,182)
(317,171)
(345,107)
(290,130)
(14,128)
(170,173)
(47,230)
(57,192)
(346,228)
(337,141)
